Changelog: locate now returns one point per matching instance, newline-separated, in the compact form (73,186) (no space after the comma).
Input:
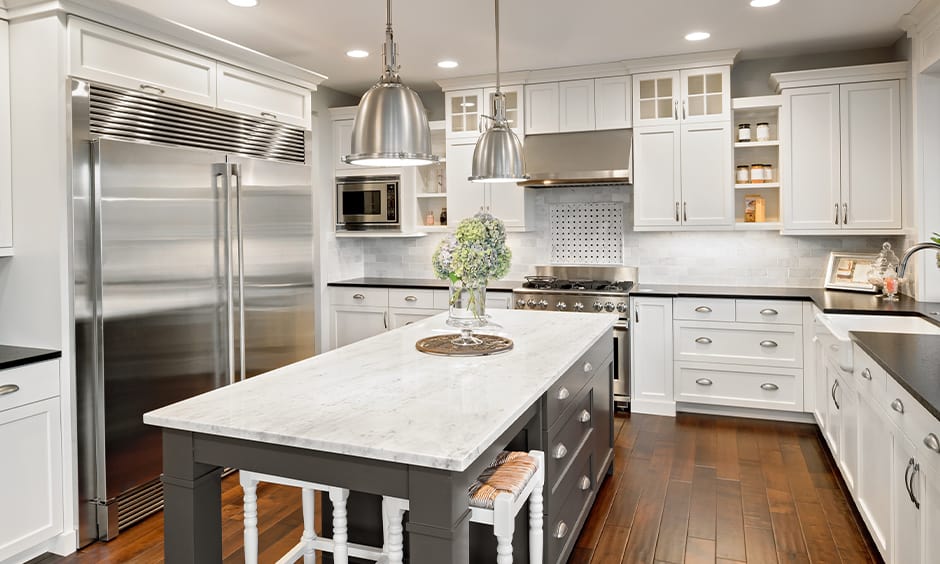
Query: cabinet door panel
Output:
(349,324)
(541,108)
(507,202)
(254,94)
(613,103)
(833,410)
(462,113)
(871,154)
(656,98)
(930,513)
(399,317)
(515,106)
(813,185)
(342,138)
(464,198)
(651,357)
(822,385)
(848,457)
(576,105)
(707,168)
(706,94)
(874,471)
(657,179)
(907,538)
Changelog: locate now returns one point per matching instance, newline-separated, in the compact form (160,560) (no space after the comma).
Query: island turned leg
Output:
(439,517)
(192,499)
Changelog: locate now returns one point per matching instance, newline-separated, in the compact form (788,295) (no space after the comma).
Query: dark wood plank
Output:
(706,445)
(580,555)
(596,520)
(730,522)
(788,535)
(645,529)
(819,542)
(699,551)
(800,481)
(726,438)
(704,510)
(630,489)
(754,496)
(760,545)
(611,545)
(845,530)
(674,526)
(683,462)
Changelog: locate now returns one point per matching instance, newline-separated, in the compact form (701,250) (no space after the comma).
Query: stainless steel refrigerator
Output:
(193,268)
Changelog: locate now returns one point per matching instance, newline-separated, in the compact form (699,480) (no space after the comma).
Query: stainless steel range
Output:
(590,289)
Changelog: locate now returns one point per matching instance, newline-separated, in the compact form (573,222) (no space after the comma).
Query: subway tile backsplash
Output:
(742,258)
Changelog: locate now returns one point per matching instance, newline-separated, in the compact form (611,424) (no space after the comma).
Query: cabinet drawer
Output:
(563,392)
(423,299)
(763,311)
(33,382)
(565,440)
(561,527)
(375,297)
(703,309)
(870,377)
(107,55)
(250,93)
(740,386)
(915,421)
(751,343)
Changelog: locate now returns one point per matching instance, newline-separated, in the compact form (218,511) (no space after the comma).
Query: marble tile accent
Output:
(382,399)
(746,258)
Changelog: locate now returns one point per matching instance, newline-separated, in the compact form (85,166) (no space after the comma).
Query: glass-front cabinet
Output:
(655,98)
(706,94)
(690,95)
(514,106)
(462,110)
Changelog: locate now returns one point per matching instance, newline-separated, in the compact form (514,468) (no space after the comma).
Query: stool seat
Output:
(509,473)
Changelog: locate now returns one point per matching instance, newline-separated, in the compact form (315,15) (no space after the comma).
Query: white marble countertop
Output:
(380,398)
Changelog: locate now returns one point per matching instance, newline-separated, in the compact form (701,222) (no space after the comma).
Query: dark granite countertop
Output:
(912,360)
(419,283)
(11,357)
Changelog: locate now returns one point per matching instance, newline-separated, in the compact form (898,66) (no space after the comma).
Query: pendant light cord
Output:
(390,73)
(497,46)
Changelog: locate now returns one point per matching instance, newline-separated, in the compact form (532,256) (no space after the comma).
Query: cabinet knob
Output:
(703,341)
(411,299)
(8,389)
(560,451)
(584,484)
(768,344)
(897,405)
(703,309)
(769,387)
(588,367)
(866,374)
(704,382)
(585,416)
(358,297)
(932,442)
(561,530)
(769,312)
(563,394)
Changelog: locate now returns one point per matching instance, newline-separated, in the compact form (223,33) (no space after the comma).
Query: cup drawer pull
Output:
(7,389)
(561,530)
(411,299)
(768,344)
(866,374)
(898,405)
(703,309)
(768,387)
(704,382)
(932,442)
(560,451)
(703,341)
(588,367)
(358,297)
(563,394)
(584,484)
(584,416)
(769,312)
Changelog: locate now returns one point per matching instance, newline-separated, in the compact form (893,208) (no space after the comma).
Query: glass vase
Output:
(467,310)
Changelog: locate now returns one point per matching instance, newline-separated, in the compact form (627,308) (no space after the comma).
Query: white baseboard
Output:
(747,412)
(653,407)
(65,544)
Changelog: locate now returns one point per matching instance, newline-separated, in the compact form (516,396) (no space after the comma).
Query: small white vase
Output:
(467,305)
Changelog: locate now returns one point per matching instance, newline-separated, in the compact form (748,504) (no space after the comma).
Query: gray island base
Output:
(379,417)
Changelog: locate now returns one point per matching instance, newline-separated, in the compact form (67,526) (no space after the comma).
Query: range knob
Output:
(543,304)
(561,306)
(597,306)
(520,303)
(578,306)
(622,307)
(531,302)
(608,306)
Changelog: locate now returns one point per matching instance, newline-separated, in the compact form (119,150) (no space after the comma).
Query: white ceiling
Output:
(535,33)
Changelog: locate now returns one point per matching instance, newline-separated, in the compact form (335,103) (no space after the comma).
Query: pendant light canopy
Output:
(498,154)
(391,128)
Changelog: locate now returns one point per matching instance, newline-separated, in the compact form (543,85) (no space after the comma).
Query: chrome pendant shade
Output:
(391,127)
(498,153)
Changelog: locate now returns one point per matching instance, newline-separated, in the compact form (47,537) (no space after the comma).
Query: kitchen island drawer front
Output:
(566,438)
(578,477)
(28,383)
(740,343)
(563,393)
(563,526)
(740,386)
(767,311)
(920,426)
(870,377)
(376,297)
(703,309)
(423,299)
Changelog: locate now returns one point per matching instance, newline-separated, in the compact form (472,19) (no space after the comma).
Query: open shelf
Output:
(750,186)
(749,144)
(378,235)
(758,226)
(431,195)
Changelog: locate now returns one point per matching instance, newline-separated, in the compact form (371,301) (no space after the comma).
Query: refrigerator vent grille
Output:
(127,114)
(139,503)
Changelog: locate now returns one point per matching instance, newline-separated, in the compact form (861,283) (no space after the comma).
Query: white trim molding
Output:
(840,75)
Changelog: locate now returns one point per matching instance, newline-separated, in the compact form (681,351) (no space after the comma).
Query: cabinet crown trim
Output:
(840,75)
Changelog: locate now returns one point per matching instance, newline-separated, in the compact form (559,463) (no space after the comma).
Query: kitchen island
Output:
(379,417)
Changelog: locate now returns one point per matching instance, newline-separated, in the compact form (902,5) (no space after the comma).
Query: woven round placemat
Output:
(443,345)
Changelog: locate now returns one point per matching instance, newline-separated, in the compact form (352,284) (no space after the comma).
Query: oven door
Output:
(622,364)
(367,201)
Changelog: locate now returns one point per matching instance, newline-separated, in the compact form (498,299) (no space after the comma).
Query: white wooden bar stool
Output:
(309,541)
(495,499)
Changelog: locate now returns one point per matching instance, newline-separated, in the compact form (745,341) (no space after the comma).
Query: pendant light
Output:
(498,154)
(391,128)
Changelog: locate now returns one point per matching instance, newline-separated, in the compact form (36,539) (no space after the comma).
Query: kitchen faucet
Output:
(902,267)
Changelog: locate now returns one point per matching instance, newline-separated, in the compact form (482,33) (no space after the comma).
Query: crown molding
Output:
(840,75)
(922,13)
(344,112)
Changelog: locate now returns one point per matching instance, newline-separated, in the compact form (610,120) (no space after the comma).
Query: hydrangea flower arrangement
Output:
(475,253)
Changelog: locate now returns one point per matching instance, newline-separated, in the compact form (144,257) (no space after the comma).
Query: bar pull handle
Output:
(909,473)
(8,389)
(411,299)
(561,530)
(268,115)
(563,394)
(675,109)
(932,442)
(703,341)
(585,416)
(358,297)
(837,215)
(703,309)
(152,88)
(769,311)
(685,211)
(866,374)
(768,344)
(385,319)
(832,392)
(845,214)
(898,405)
(584,484)
(677,212)
(560,451)
(704,382)
(768,387)
(683,109)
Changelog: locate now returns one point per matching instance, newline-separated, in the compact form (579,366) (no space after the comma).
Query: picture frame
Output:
(849,271)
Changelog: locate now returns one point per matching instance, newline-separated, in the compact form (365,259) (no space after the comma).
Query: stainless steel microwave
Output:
(367,202)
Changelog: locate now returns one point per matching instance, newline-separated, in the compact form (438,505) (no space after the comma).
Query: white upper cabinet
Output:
(541,108)
(656,98)
(657,191)
(464,198)
(6,189)
(251,93)
(576,105)
(104,54)
(844,158)
(462,109)
(706,94)
(515,106)
(342,139)
(613,103)
(707,163)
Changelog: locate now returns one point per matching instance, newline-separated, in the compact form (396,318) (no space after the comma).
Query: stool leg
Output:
(338,497)
(536,508)
(392,514)
(251,520)
(310,553)
(504,524)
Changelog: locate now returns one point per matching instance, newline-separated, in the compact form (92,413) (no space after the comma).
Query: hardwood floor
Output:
(691,489)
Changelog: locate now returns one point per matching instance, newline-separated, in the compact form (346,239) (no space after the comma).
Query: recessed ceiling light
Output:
(357,53)
(447,64)
(244,3)
(763,3)
(698,36)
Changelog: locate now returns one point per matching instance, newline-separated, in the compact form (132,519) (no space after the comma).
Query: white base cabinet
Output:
(651,362)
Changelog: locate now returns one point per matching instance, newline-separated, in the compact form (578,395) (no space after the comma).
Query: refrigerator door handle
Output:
(221,171)
(236,171)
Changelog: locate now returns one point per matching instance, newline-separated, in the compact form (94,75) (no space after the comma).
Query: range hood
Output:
(585,158)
